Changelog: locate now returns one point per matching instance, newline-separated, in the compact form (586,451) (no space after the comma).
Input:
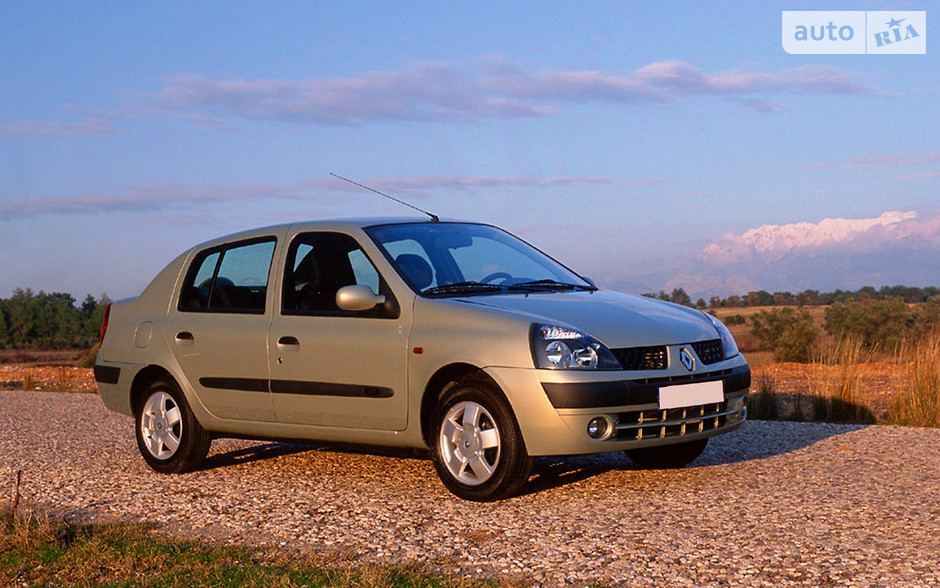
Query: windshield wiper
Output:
(458,287)
(549,284)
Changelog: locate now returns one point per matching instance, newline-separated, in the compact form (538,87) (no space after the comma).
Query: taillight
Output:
(104,323)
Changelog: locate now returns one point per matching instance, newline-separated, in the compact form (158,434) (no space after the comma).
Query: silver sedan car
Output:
(451,336)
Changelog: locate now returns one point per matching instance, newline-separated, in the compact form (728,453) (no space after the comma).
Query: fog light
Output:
(597,428)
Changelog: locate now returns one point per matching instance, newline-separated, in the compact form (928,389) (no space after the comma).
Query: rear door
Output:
(218,329)
(332,367)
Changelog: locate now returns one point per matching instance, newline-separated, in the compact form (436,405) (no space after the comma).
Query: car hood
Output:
(617,320)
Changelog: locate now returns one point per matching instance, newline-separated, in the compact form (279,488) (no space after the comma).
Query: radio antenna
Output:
(434,218)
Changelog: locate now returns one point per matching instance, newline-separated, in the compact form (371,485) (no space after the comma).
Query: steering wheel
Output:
(495,276)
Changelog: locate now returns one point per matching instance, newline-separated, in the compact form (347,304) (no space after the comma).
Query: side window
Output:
(231,278)
(318,265)
(363,270)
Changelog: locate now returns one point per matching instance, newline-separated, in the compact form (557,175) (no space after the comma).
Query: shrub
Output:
(88,360)
(788,332)
(878,324)
(735,319)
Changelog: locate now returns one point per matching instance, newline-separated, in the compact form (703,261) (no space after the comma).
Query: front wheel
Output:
(169,437)
(668,456)
(479,452)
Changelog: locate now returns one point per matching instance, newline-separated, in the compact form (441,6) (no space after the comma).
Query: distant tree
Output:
(867,293)
(808,298)
(759,298)
(92,313)
(700,303)
(21,315)
(679,296)
(59,323)
(714,302)
(4,333)
(783,299)
(733,301)
(790,333)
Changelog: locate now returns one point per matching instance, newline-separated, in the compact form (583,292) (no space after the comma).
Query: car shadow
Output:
(756,440)
(265,450)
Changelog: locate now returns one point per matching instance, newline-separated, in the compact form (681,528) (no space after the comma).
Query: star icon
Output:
(895,23)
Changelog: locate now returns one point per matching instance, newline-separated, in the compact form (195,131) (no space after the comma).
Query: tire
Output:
(478,450)
(668,456)
(169,437)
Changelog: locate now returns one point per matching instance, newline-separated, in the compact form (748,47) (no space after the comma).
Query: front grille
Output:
(709,351)
(676,422)
(642,358)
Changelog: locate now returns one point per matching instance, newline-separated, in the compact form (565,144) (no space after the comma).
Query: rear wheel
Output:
(169,437)
(479,452)
(668,456)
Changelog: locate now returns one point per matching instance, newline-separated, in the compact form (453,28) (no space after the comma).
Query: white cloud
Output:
(422,91)
(491,89)
(47,128)
(162,196)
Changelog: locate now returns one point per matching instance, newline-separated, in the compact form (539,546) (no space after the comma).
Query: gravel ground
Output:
(774,504)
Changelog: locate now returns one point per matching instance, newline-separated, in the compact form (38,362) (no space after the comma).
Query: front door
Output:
(331,367)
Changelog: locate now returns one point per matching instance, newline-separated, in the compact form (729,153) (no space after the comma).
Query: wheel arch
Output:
(142,379)
(443,380)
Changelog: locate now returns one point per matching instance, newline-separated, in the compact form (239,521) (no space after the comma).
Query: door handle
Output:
(185,338)
(288,343)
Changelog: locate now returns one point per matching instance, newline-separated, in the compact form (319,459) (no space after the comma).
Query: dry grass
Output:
(849,384)
(835,393)
(918,402)
(763,403)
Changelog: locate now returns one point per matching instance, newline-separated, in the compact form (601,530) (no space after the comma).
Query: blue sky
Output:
(622,137)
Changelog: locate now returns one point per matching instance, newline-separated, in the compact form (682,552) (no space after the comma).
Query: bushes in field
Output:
(788,332)
(880,324)
(876,325)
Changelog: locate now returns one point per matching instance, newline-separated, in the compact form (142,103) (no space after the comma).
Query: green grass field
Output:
(36,551)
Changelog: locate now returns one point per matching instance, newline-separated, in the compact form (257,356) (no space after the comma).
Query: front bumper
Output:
(554,408)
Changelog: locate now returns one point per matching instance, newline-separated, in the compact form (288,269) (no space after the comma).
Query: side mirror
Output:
(357,298)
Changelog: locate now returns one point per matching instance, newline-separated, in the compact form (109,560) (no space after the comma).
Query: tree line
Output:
(907,294)
(54,320)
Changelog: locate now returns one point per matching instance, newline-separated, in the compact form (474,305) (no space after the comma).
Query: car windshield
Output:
(458,259)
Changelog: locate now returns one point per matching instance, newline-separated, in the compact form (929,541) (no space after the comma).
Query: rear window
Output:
(230,278)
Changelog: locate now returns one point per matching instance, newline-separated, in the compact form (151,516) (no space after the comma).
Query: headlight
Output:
(728,345)
(562,348)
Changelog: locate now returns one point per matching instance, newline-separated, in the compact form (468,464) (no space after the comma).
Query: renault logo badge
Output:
(687,360)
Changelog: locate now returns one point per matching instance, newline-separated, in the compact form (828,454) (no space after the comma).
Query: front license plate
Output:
(691,394)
